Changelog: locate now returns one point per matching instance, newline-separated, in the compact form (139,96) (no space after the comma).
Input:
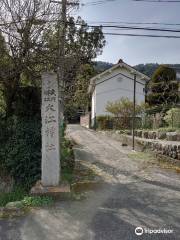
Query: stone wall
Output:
(169,136)
(85,120)
(166,148)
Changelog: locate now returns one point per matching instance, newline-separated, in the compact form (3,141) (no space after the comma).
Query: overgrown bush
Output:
(153,121)
(20,148)
(104,122)
(17,194)
(166,129)
(172,118)
(122,110)
(67,156)
(37,201)
(27,102)
(163,87)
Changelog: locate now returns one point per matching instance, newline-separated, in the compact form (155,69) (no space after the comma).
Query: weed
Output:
(37,201)
(17,194)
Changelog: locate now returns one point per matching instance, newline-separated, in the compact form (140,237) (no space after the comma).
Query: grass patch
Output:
(168,129)
(67,160)
(141,156)
(67,167)
(37,201)
(153,160)
(20,194)
(17,194)
(67,175)
(162,129)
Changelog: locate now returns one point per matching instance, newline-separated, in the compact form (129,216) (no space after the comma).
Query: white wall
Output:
(178,75)
(115,88)
(93,107)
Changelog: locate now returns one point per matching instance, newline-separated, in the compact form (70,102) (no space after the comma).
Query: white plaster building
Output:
(113,84)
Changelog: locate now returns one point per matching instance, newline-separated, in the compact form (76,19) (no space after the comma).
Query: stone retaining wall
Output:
(169,136)
(167,148)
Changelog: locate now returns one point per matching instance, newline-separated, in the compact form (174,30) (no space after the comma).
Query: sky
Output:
(136,50)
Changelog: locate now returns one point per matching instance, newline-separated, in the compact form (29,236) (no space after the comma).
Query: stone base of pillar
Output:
(62,191)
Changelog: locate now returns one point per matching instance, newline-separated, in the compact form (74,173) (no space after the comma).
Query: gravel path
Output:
(133,194)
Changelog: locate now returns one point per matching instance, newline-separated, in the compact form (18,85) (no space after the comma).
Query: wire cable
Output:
(141,35)
(158,1)
(94,3)
(136,28)
(135,23)
(118,27)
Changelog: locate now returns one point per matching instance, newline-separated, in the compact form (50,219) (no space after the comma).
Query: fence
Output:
(108,122)
(170,119)
(148,121)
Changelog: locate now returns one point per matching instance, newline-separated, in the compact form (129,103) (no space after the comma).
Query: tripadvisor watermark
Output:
(140,231)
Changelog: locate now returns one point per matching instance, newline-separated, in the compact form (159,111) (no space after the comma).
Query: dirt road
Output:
(132,195)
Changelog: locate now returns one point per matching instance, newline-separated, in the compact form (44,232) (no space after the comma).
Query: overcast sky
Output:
(135,50)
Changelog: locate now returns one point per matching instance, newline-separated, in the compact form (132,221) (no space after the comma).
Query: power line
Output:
(109,22)
(136,28)
(141,35)
(136,23)
(119,27)
(104,26)
(94,3)
(41,21)
(158,1)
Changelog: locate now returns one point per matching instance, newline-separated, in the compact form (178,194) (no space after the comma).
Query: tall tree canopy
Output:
(82,46)
(163,88)
(30,28)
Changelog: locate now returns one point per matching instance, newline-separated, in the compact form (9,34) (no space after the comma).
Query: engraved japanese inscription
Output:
(50,131)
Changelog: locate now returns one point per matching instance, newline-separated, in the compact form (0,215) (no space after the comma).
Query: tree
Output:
(5,68)
(163,88)
(172,117)
(83,44)
(101,66)
(22,23)
(81,96)
(123,111)
(80,101)
(31,30)
(147,69)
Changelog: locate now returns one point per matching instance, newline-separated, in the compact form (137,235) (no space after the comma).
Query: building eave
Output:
(108,71)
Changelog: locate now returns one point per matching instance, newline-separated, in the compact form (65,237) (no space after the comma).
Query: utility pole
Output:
(61,56)
(62,23)
(134,111)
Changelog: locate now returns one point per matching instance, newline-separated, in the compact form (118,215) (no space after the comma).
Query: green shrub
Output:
(163,87)
(104,122)
(37,201)
(20,149)
(122,110)
(67,156)
(17,194)
(27,102)
(166,129)
(172,117)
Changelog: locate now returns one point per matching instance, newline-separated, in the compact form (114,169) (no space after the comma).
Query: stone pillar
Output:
(50,131)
